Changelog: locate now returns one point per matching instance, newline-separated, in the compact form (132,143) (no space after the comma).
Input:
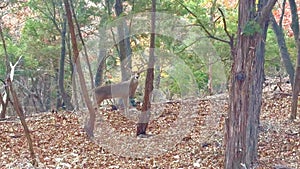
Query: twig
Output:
(225,28)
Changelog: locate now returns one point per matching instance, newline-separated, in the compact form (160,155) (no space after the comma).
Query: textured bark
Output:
(145,115)
(246,89)
(285,55)
(89,127)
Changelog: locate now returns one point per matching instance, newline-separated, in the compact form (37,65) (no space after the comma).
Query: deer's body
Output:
(123,90)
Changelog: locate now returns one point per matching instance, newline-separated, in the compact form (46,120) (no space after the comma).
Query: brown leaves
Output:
(60,141)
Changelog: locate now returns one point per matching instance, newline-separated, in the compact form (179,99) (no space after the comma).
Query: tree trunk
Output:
(89,127)
(47,92)
(20,113)
(5,50)
(296,88)
(73,72)
(83,44)
(246,87)
(145,115)
(123,44)
(58,98)
(4,101)
(285,55)
(100,67)
(65,97)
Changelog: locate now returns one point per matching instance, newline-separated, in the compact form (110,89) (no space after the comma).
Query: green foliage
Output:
(251,28)
(40,41)
(201,79)
(273,62)
(36,36)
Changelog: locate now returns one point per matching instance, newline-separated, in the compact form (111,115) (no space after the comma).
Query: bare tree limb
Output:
(225,28)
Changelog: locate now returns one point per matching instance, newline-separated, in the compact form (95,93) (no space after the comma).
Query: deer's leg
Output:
(99,100)
(125,102)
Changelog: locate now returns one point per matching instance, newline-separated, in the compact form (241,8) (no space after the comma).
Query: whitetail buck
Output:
(125,90)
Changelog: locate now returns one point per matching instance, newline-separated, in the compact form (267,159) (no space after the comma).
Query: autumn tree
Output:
(89,127)
(246,85)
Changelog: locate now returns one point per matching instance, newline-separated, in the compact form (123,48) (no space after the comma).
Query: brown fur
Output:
(123,90)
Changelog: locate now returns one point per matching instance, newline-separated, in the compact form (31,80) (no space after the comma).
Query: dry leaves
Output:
(60,141)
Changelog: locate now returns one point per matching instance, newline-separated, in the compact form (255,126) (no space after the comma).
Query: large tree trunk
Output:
(145,115)
(89,127)
(246,88)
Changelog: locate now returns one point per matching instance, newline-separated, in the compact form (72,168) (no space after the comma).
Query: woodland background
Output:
(35,33)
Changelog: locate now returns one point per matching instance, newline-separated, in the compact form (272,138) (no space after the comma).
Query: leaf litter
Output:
(60,141)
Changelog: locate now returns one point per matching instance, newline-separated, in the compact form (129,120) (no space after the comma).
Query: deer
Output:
(125,90)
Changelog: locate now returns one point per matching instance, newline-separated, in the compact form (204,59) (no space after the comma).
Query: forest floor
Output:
(60,141)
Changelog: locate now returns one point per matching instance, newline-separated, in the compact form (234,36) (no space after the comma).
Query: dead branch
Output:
(18,109)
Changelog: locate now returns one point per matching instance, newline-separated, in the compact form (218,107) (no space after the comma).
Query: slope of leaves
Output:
(60,141)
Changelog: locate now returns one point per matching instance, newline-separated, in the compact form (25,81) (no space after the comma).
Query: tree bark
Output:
(145,115)
(89,127)
(246,87)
